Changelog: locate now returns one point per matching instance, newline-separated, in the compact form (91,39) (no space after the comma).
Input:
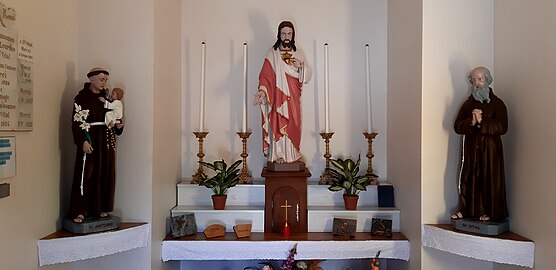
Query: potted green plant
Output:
(225,178)
(345,175)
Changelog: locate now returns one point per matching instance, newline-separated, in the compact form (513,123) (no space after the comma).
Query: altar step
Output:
(320,218)
(245,204)
(317,195)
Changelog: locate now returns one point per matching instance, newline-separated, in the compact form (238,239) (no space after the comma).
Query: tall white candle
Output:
(202,94)
(244,126)
(326,91)
(368,90)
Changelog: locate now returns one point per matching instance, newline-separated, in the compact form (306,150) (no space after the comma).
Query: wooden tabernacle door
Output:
(285,191)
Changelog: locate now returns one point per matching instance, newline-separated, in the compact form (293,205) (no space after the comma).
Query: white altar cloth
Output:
(478,247)
(77,248)
(279,250)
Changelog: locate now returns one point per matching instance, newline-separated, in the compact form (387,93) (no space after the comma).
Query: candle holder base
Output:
(199,175)
(326,177)
(373,178)
(245,176)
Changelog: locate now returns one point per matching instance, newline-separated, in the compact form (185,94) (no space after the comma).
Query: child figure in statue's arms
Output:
(115,105)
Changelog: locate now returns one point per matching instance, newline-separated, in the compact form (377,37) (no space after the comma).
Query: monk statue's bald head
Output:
(480,80)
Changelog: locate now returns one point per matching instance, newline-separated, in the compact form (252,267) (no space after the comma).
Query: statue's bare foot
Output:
(103,214)
(280,161)
(457,215)
(484,218)
(79,219)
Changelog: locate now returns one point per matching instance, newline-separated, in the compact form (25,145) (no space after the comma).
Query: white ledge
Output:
(67,247)
(258,248)
(508,248)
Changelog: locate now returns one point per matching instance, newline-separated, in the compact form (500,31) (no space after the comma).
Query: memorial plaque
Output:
(243,230)
(16,75)
(343,226)
(215,230)
(184,225)
(381,227)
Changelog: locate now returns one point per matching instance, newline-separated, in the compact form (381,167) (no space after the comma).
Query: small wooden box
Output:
(243,230)
(215,230)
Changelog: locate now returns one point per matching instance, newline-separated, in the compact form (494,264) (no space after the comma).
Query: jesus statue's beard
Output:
(481,93)
(286,43)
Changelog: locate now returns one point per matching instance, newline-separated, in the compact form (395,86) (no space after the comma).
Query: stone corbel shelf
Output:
(507,248)
(63,246)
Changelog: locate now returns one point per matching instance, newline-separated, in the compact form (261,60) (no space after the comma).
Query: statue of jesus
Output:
(281,80)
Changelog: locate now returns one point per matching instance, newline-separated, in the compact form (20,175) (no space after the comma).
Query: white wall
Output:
(457,36)
(404,120)
(224,25)
(167,119)
(33,207)
(525,61)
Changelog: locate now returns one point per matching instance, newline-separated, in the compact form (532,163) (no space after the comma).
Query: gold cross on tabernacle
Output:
(286,206)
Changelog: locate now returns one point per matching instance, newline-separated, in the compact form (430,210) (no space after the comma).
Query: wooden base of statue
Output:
(285,200)
(92,225)
(481,227)
(296,166)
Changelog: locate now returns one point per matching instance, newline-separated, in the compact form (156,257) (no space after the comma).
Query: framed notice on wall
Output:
(7,157)
(16,76)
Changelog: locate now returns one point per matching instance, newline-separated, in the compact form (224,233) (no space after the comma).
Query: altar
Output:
(272,246)
(246,204)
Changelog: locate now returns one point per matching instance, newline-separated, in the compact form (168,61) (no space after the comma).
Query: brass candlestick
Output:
(245,176)
(326,177)
(370,175)
(199,175)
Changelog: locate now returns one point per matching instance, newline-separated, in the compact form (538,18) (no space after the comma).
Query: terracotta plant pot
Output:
(219,202)
(350,201)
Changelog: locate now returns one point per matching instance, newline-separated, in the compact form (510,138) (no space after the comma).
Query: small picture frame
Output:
(381,227)
(184,225)
(342,226)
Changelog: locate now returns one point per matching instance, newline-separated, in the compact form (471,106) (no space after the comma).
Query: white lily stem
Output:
(83,172)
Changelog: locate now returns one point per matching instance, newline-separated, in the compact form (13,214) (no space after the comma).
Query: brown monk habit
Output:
(482,180)
(100,170)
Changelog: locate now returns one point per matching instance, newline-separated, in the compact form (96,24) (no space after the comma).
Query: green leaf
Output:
(349,165)
(220,165)
(359,187)
(335,188)
(235,165)
(337,163)
(346,185)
